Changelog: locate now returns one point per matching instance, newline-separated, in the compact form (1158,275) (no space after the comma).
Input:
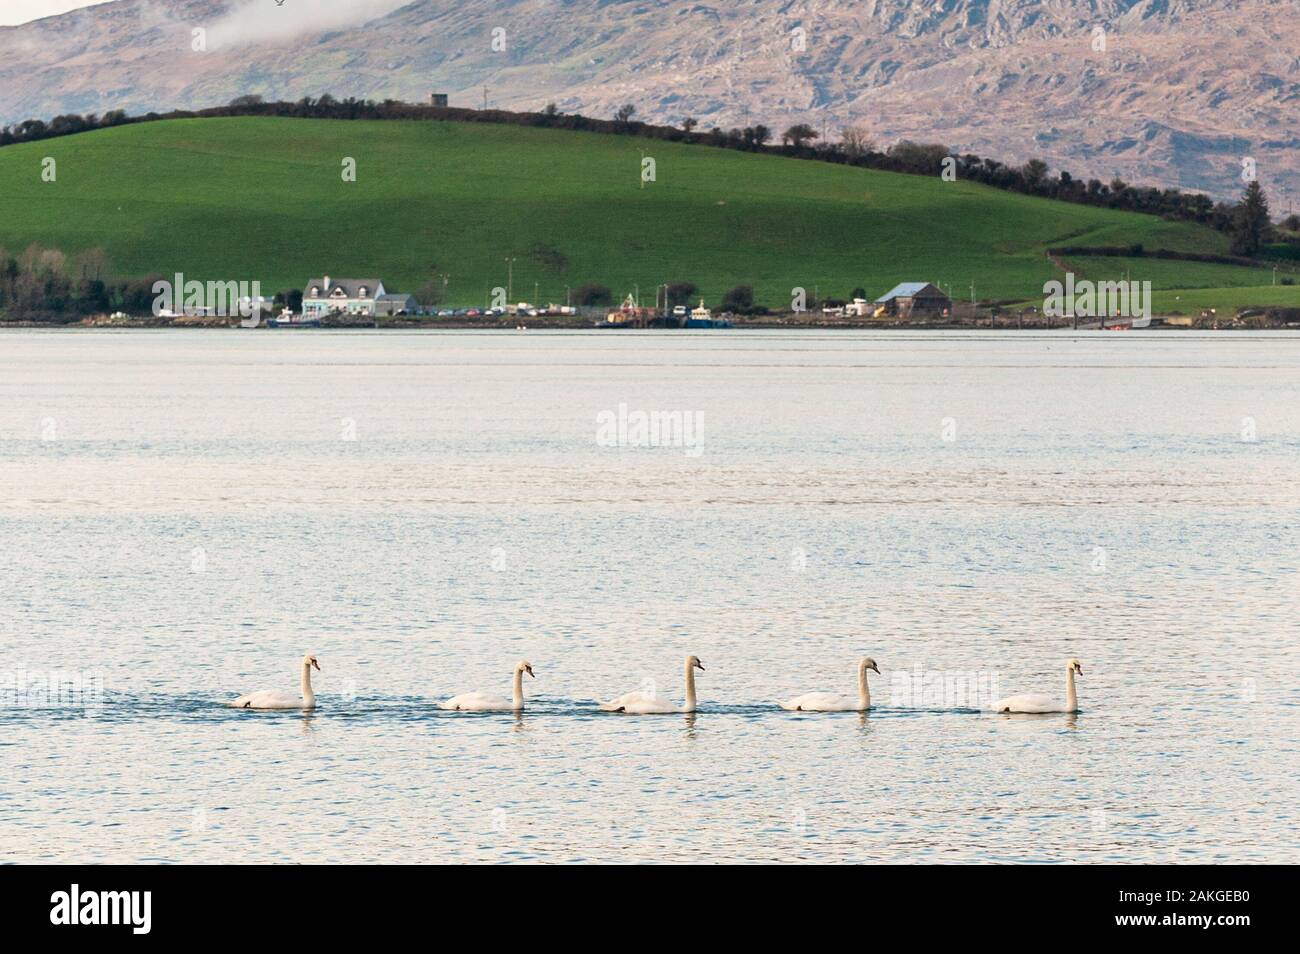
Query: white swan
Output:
(834,702)
(482,702)
(641,702)
(274,699)
(1041,702)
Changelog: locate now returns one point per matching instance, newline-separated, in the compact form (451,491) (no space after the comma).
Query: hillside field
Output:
(264,199)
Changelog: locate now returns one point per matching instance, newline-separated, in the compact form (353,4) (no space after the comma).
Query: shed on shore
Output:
(913,300)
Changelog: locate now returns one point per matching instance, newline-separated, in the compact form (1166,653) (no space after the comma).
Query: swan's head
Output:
(308,661)
(693,662)
(869,663)
(525,667)
(1073,666)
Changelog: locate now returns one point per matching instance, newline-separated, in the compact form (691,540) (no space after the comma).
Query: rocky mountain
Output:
(1165,92)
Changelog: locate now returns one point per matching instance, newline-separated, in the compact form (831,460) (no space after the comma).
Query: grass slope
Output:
(263,198)
(1165,273)
(1190,301)
(1188,287)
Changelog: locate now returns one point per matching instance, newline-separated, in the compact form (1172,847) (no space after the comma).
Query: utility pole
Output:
(536,285)
(485,98)
(510,279)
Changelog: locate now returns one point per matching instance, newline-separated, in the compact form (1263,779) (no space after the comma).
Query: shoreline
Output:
(568,323)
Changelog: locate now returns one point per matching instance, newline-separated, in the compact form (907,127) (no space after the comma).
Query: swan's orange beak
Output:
(699,665)
(529,670)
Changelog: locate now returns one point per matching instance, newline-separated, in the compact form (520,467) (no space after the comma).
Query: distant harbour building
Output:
(913,300)
(437,99)
(360,297)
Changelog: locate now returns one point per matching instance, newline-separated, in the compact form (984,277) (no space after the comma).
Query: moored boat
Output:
(701,317)
(286,320)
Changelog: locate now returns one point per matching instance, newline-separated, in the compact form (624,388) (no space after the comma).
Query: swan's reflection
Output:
(1069,720)
(534,735)
(689,720)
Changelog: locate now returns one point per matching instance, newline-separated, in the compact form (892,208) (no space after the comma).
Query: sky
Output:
(20,11)
(245,23)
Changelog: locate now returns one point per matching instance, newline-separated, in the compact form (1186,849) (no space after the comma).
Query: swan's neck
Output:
(519,689)
(307,695)
(1071,697)
(690,688)
(864,690)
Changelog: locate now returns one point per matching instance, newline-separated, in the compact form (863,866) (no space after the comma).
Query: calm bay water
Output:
(184,514)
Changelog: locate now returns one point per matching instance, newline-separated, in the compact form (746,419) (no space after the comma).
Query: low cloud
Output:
(263,21)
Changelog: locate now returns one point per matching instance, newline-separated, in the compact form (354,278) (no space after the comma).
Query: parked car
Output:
(472,313)
(679,311)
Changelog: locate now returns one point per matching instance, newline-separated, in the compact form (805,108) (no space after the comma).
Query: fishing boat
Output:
(287,319)
(629,315)
(701,317)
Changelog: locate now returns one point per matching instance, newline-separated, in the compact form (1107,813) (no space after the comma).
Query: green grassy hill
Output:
(264,199)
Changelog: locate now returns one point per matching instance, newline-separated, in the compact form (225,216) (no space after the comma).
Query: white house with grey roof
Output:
(362,297)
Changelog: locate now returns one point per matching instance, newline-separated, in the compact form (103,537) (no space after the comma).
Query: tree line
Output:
(44,284)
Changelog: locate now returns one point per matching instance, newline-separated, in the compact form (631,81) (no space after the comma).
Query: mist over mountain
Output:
(1161,92)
